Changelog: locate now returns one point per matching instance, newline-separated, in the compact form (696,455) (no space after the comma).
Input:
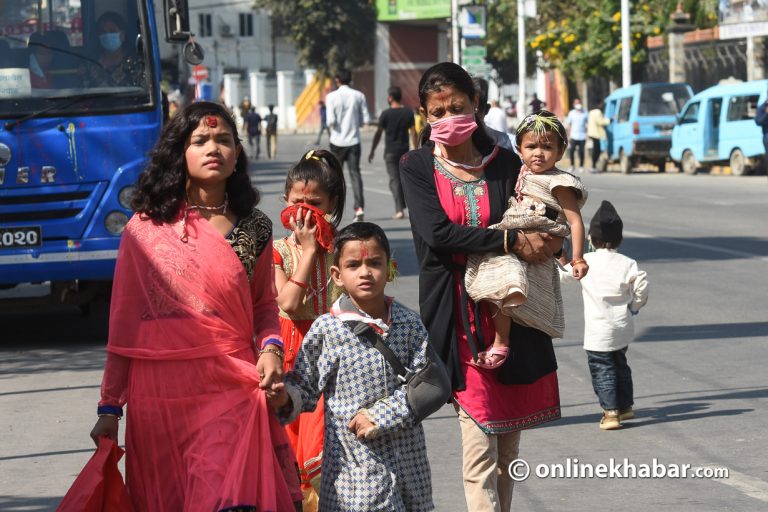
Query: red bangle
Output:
(298,283)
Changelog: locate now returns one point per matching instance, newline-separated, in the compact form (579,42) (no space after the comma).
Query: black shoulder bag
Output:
(426,390)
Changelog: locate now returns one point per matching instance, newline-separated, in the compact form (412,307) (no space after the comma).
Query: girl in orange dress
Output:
(314,196)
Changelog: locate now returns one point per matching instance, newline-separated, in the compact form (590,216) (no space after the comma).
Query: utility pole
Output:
(455,43)
(521,68)
(626,61)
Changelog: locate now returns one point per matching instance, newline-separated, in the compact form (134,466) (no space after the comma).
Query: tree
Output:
(328,35)
(583,39)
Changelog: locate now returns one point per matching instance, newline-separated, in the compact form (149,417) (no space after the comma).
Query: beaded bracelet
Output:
(298,283)
(109,410)
(279,353)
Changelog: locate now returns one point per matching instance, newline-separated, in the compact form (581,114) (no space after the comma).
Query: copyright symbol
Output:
(519,470)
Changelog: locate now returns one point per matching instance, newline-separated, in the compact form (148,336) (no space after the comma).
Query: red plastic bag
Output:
(99,487)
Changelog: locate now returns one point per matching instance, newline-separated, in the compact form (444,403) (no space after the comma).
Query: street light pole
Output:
(455,47)
(626,61)
(521,71)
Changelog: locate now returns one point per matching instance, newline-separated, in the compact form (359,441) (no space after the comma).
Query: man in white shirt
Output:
(501,137)
(576,122)
(347,111)
(496,118)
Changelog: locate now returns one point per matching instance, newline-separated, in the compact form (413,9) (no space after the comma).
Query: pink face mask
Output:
(453,130)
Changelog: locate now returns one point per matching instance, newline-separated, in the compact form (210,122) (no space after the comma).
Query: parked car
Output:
(717,126)
(642,117)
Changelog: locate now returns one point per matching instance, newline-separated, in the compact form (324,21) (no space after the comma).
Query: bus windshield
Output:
(52,52)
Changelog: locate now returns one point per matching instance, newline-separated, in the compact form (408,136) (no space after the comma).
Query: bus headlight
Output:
(115,222)
(125,196)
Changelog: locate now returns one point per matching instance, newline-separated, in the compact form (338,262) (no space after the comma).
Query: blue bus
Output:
(80,110)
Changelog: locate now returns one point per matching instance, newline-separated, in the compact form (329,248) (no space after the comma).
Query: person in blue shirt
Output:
(761,119)
(576,122)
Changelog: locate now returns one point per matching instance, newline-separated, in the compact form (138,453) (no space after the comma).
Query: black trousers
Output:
(351,155)
(577,145)
(595,151)
(392,161)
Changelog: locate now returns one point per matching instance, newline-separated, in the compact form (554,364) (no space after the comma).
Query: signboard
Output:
(742,18)
(200,72)
(473,51)
(14,82)
(398,10)
(472,21)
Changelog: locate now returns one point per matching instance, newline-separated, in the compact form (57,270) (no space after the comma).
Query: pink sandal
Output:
(501,352)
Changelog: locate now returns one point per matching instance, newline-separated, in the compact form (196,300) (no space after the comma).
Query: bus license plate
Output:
(27,237)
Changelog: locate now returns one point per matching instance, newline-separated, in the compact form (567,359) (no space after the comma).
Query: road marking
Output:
(378,191)
(749,485)
(704,247)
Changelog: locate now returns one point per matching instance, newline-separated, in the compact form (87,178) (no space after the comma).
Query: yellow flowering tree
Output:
(583,38)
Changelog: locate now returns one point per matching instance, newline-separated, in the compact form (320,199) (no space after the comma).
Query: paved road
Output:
(698,361)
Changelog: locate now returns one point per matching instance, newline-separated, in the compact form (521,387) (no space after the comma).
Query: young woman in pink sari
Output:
(194,336)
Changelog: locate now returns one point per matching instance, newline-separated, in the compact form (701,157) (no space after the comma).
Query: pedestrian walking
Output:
(596,123)
(501,138)
(314,198)
(761,119)
(193,302)
(323,123)
(253,128)
(375,455)
(576,122)
(457,185)
(614,290)
(495,117)
(397,123)
(347,112)
(536,104)
(271,121)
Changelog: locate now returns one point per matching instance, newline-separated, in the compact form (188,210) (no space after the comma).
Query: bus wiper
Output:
(73,99)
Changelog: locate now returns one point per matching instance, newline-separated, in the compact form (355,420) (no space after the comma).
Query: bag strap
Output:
(365,331)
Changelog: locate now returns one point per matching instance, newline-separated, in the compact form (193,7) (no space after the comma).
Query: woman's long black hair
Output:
(162,186)
(453,75)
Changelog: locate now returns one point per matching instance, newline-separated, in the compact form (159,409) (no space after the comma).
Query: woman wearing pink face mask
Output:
(456,185)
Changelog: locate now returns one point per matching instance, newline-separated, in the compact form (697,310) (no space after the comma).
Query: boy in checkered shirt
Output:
(374,456)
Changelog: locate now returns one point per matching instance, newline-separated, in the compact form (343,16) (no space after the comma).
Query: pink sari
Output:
(199,434)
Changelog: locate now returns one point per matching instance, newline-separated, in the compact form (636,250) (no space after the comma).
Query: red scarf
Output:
(325,230)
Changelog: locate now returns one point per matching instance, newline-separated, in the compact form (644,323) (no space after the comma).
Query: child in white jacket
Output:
(614,290)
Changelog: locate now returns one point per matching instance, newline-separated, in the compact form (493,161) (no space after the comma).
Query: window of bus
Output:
(69,55)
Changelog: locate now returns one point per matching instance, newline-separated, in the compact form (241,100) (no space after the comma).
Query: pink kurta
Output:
(199,435)
(497,408)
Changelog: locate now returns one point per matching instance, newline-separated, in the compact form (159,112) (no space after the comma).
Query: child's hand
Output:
(579,268)
(361,426)
(304,229)
(277,396)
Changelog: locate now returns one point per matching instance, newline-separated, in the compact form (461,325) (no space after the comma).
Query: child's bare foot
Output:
(493,358)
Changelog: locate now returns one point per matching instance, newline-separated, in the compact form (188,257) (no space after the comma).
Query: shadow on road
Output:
(653,415)
(704,331)
(17,504)
(694,249)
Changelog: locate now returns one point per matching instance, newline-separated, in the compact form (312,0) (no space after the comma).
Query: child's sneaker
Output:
(626,414)
(610,420)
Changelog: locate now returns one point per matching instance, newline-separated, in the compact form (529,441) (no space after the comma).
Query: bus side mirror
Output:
(176,18)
